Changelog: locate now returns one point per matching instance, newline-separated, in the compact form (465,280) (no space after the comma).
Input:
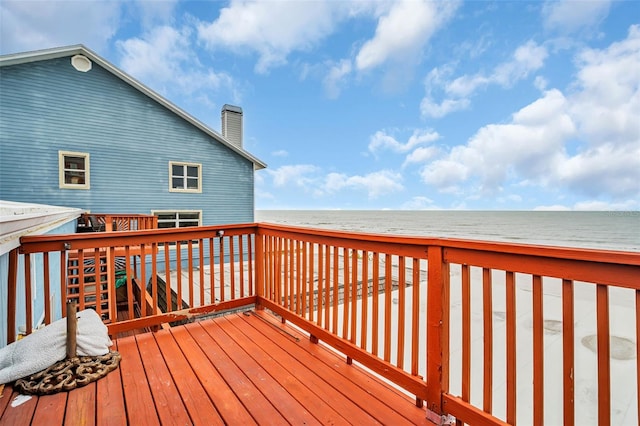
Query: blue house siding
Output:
(36,286)
(48,106)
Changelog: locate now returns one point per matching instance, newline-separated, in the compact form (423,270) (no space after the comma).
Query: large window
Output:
(185,177)
(73,170)
(178,219)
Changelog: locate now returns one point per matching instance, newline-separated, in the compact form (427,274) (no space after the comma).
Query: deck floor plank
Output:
(363,400)
(139,402)
(20,415)
(286,404)
(167,400)
(391,397)
(81,406)
(110,408)
(50,409)
(240,369)
(258,405)
(323,396)
(201,409)
(227,403)
(5,398)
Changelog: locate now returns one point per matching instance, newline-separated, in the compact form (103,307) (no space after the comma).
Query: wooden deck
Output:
(244,368)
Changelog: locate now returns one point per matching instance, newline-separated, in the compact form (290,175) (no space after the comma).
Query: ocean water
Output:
(599,230)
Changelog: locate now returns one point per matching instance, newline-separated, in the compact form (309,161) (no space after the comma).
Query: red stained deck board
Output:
(257,404)
(280,397)
(110,408)
(324,396)
(362,399)
(167,400)
(391,397)
(139,402)
(81,406)
(227,403)
(201,409)
(5,395)
(20,415)
(50,409)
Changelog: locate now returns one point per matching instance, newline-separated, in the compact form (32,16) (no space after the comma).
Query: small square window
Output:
(185,177)
(73,170)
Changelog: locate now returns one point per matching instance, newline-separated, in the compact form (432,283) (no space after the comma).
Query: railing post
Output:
(259,268)
(108,224)
(437,329)
(11,295)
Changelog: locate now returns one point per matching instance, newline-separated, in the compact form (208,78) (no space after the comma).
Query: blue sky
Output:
(389,104)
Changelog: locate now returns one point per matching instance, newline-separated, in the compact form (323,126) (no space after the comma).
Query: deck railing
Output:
(195,271)
(489,333)
(104,222)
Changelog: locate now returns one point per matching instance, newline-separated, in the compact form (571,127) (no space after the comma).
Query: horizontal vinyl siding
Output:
(49,106)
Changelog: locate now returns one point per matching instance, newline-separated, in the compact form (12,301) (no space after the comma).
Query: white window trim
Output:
(182,163)
(156,212)
(87,180)
(172,244)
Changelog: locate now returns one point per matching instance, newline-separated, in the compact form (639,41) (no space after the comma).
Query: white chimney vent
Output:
(232,124)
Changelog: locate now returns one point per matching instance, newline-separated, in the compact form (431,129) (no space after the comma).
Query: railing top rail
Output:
(570,253)
(33,244)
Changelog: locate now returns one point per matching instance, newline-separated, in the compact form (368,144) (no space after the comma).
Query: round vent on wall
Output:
(81,63)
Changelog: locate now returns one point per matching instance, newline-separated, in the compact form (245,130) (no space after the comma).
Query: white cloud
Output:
(280,153)
(164,59)
(272,29)
(526,59)
(421,155)
(418,203)
(587,140)
(302,175)
(530,145)
(382,140)
(376,183)
(552,208)
(312,181)
(608,88)
(335,79)
(603,170)
(445,174)
(430,108)
(403,32)
(569,15)
(30,25)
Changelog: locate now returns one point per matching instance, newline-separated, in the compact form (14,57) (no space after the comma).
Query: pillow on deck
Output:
(43,348)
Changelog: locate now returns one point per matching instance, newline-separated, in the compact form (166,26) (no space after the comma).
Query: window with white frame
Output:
(185,177)
(178,219)
(73,170)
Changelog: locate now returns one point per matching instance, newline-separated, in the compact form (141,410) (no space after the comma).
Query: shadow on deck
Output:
(243,368)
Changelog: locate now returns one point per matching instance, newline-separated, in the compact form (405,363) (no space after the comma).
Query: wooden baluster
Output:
(511,346)
(487,316)
(538,352)
(568,352)
(604,353)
